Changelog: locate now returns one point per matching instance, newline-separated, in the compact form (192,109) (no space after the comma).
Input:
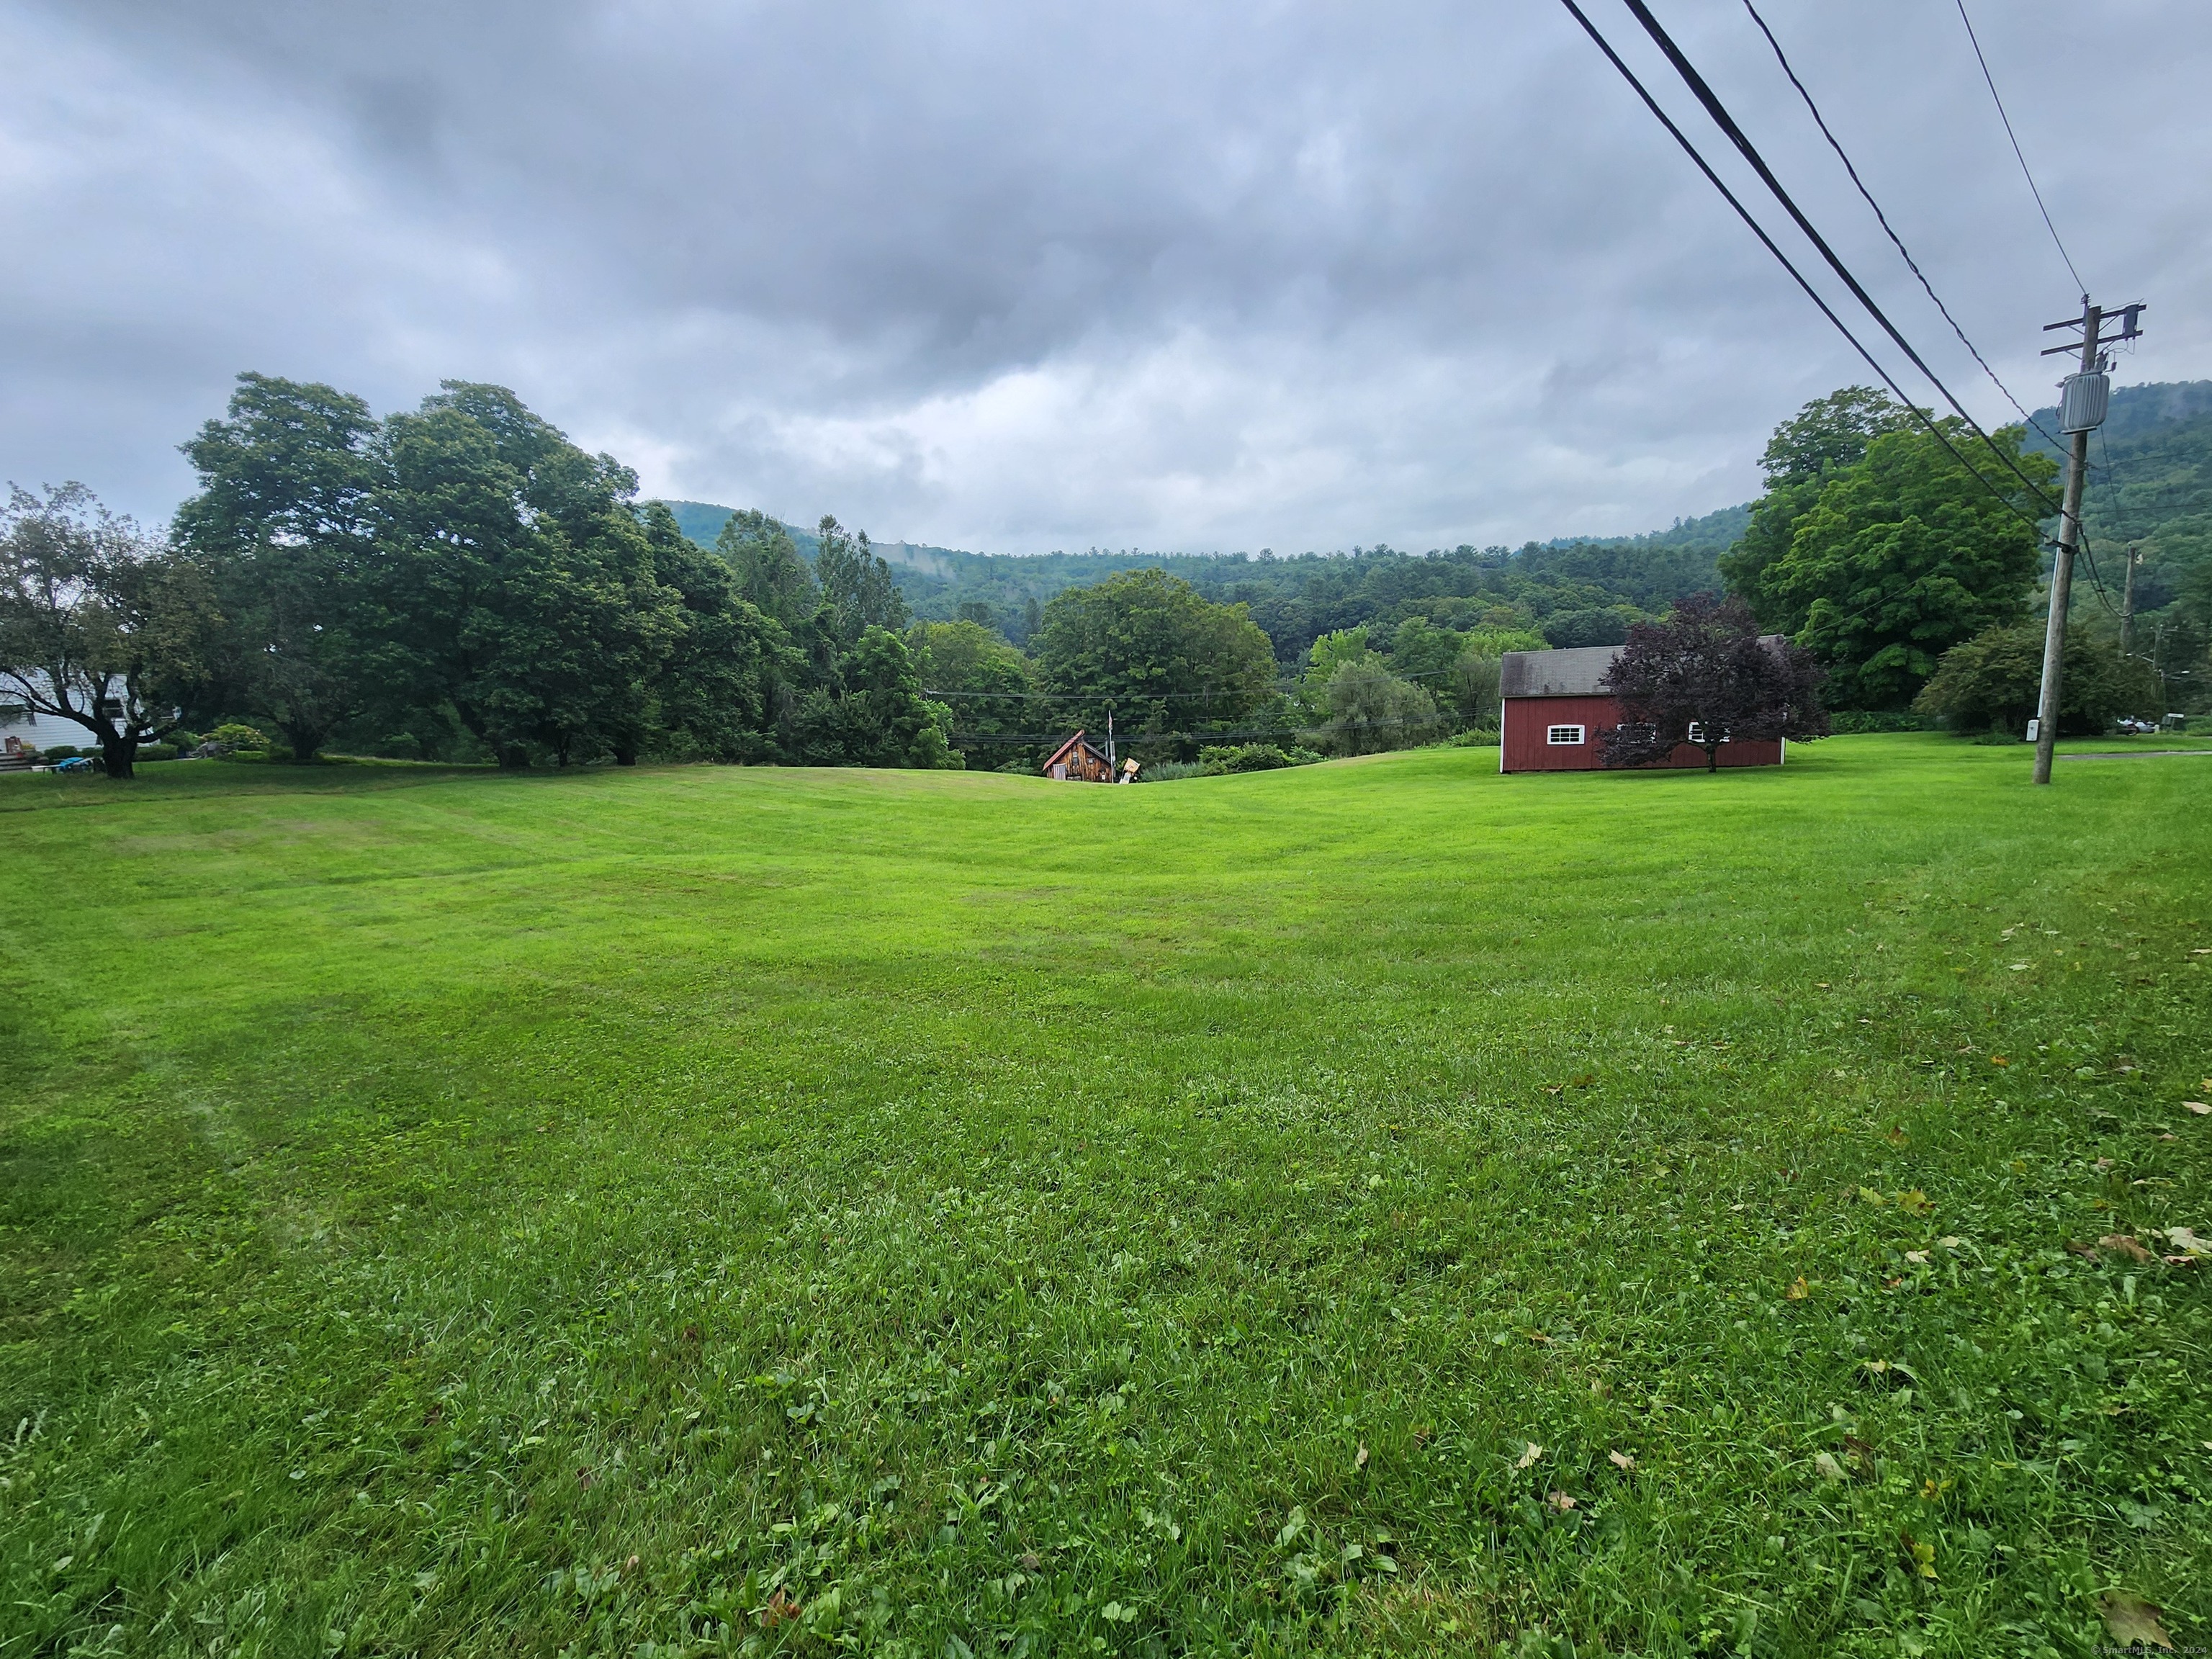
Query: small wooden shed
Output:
(1079,761)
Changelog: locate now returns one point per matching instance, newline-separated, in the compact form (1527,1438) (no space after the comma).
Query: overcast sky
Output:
(1019,277)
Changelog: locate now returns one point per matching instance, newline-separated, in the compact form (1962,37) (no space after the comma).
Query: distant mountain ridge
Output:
(935,580)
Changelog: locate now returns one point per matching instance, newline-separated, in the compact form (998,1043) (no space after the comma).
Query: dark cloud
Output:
(1029,276)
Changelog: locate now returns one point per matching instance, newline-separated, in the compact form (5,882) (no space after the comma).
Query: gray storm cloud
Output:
(1025,277)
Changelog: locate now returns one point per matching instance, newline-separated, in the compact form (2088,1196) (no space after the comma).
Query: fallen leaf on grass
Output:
(2121,1244)
(1529,1458)
(1624,1461)
(2133,1621)
(2188,1241)
(1360,1459)
(780,1608)
(1560,1501)
(1918,1258)
(1914,1202)
(584,1479)
(1950,1241)
(1999,1059)
(1799,1290)
(1830,1469)
(2198,1107)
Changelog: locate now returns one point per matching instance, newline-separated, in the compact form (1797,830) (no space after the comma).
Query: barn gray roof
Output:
(1571,673)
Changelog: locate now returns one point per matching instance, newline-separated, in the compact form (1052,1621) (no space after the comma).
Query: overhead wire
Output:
(1904,253)
(2026,172)
(1797,276)
(1727,123)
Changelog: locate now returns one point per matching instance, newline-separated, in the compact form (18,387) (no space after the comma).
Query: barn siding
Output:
(1528,719)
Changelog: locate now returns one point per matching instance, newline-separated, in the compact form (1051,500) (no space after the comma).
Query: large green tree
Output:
(1902,556)
(1369,710)
(1827,436)
(1171,664)
(768,571)
(285,522)
(872,712)
(988,684)
(1993,681)
(516,578)
(100,624)
(857,591)
(731,673)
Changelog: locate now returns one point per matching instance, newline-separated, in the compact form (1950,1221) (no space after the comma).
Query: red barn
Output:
(1556,715)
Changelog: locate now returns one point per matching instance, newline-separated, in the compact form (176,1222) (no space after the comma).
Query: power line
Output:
(1904,252)
(1781,258)
(1727,124)
(2018,155)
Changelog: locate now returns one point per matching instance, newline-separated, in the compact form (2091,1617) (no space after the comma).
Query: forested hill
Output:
(2150,487)
(2150,470)
(1574,591)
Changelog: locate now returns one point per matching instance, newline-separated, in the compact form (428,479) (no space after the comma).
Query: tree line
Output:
(455,582)
(460,581)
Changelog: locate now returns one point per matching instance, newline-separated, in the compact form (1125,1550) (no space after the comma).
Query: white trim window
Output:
(1697,734)
(1564,737)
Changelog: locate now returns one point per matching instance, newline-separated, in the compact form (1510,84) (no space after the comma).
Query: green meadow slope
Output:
(1374,1207)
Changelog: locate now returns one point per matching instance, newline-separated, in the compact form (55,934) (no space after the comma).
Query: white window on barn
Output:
(1697,732)
(1567,735)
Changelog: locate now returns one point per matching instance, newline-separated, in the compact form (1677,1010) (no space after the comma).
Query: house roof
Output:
(1576,672)
(1571,673)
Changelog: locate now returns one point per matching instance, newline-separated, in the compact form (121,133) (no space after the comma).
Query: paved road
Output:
(2133,754)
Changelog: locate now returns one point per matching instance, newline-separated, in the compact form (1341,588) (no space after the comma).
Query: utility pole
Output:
(2081,411)
(2127,606)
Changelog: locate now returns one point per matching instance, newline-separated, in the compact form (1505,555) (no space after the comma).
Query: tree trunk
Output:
(1712,757)
(118,754)
(625,751)
(305,740)
(513,757)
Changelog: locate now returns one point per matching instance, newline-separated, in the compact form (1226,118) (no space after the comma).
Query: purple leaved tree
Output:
(1706,676)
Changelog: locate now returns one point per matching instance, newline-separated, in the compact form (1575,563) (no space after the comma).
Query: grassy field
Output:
(1379,1208)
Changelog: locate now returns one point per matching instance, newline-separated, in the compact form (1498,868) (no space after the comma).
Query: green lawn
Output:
(1378,1207)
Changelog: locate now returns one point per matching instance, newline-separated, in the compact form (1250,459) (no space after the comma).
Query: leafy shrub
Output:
(1992,682)
(1251,757)
(1847,721)
(240,737)
(59,752)
(1169,771)
(1370,709)
(157,751)
(1477,737)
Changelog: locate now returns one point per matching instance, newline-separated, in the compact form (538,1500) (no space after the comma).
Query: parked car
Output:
(2138,728)
(74,763)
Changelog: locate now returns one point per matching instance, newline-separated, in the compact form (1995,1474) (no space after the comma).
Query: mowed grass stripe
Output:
(973,1211)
